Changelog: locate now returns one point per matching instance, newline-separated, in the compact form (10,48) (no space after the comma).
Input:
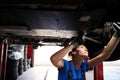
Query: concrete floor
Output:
(45,73)
(111,72)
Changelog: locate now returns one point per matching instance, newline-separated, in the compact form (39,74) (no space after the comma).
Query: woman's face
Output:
(82,51)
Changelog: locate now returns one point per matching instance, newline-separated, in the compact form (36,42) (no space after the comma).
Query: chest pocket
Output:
(76,74)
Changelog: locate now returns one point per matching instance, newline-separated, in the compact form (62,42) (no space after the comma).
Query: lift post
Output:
(98,72)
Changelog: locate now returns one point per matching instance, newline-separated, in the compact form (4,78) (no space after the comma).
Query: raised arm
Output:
(105,54)
(57,58)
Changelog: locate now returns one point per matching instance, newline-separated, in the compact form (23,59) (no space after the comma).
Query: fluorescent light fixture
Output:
(84,18)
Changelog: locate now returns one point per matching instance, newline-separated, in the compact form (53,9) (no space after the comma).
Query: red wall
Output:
(30,52)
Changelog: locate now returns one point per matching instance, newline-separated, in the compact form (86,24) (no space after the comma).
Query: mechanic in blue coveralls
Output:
(75,69)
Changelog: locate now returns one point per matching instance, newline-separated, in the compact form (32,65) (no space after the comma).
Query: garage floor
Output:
(111,72)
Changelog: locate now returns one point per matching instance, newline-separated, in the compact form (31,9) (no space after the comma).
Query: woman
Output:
(75,69)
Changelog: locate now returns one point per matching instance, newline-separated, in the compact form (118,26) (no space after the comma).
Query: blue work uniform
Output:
(69,72)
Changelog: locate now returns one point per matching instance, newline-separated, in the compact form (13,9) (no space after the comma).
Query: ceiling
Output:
(55,22)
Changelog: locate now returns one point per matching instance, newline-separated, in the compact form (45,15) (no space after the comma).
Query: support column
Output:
(1,59)
(25,57)
(4,62)
(98,72)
